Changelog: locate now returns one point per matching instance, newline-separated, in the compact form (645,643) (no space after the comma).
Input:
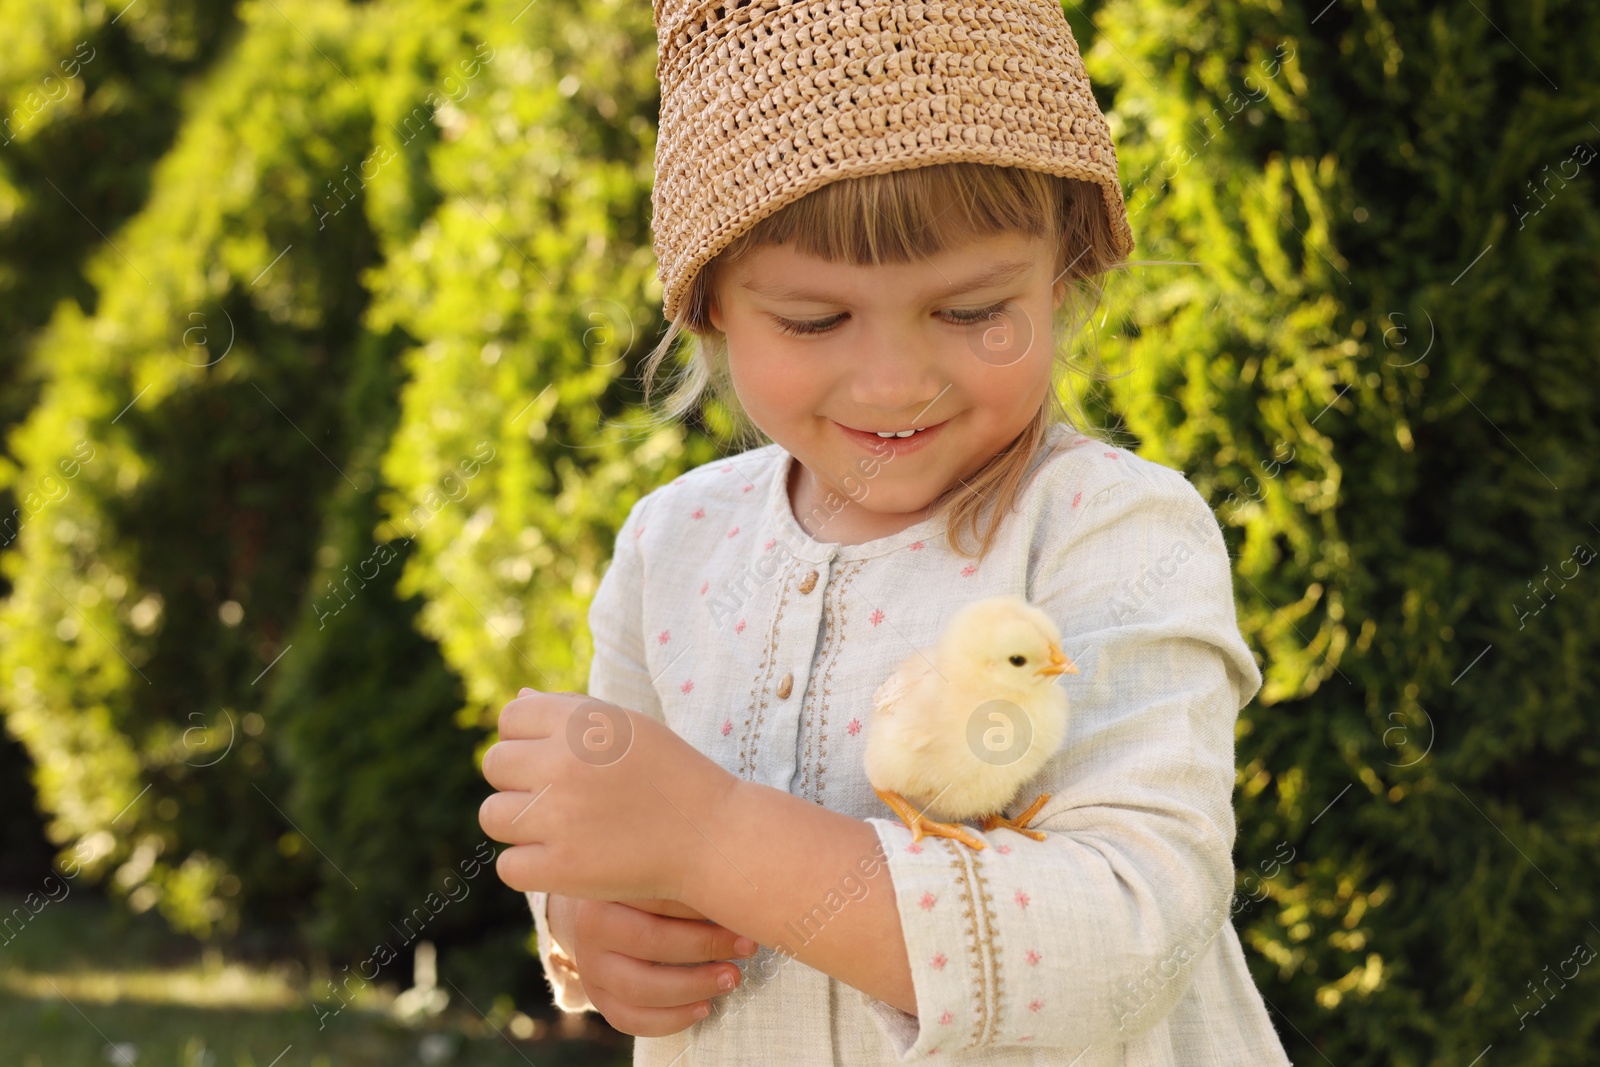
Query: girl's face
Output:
(958,343)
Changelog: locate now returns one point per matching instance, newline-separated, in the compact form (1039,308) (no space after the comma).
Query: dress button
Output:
(809,582)
(785,687)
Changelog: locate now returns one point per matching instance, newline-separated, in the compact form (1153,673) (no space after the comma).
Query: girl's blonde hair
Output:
(896,217)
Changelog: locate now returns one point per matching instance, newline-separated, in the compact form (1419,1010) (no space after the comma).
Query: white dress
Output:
(1109,944)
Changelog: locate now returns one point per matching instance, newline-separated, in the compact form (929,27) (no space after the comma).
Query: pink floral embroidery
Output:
(939,961)
(704,586)
(726,467)
(928,900)
(687,686)
(727,727)
(1033,957)
(639,532)
(733,531)
(699,513)
(666,635)
(854,727)
(1111,455)
(946,1019)
(968,571)
(915,546)
(738,627)
(768,546)
(747,488)
(1077,497)
(876,617)
(1081,441)
(1022,898)
(914,848)
(1004,850)
(1035,1005)
(1025,1037)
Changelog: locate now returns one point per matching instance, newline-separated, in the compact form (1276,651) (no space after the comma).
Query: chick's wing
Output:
(896,693)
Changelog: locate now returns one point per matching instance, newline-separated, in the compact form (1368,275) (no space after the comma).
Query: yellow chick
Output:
(958,729)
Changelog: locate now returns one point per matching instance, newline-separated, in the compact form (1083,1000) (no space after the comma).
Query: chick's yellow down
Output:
(959,728)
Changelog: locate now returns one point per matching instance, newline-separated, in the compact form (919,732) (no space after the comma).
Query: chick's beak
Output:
(1059,663)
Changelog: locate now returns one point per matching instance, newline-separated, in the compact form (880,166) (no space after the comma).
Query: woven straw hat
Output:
(763,101)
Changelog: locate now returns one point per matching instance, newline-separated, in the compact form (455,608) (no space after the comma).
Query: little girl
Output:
(880,222)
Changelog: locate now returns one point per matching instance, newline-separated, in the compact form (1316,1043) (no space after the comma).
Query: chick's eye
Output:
(1019,661)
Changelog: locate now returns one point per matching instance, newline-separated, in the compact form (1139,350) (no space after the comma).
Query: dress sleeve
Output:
(618,674)
(1089,937)
(566,990)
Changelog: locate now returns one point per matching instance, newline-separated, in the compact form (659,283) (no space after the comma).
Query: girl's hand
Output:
(625,952)
(676,909)
(599,801)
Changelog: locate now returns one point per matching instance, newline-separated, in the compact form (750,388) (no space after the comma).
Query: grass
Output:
(82,984)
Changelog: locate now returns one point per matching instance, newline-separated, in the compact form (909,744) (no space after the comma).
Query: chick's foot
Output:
(920,824)
(1020,823)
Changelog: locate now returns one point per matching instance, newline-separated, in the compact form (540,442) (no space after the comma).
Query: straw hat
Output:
(763,101)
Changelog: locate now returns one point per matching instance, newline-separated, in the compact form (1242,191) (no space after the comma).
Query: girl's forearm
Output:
(807,881)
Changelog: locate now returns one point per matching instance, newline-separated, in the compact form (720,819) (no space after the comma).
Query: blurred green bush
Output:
(299,512)
(1381,371)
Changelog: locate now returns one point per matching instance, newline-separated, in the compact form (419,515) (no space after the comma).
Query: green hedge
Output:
(1382,376)
(88,104)
(317,533)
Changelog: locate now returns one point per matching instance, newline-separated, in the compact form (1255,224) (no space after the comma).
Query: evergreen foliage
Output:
(1372,349)
(316,520)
